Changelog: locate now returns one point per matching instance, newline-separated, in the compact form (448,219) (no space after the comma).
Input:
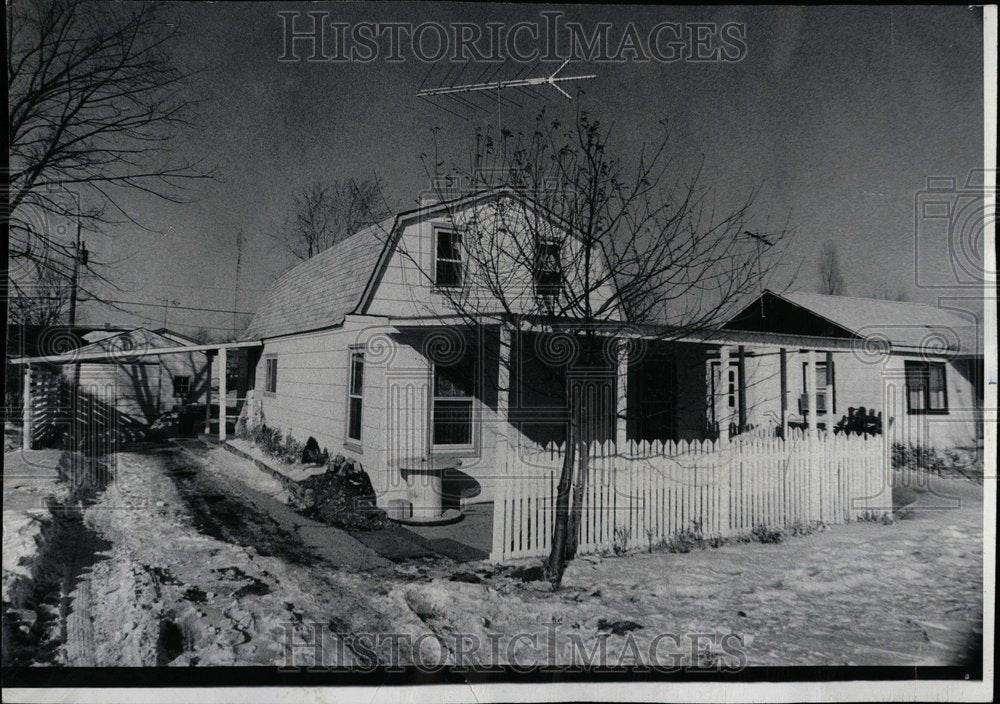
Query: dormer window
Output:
(448,259)
(548,269)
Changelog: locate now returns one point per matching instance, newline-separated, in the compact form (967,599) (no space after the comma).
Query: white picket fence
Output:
(652,491)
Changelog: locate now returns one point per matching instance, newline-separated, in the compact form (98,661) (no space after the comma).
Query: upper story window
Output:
(548,269)
(926,387)
(271,375)
(448,258)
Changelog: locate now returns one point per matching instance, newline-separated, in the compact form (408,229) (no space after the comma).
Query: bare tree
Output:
(323,213)
(573,242)
(887,293)
(42,299)
(831,281)
(94,100)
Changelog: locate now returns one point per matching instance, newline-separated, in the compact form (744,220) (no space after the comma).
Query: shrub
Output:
(686,539)
(620,543)
(311,454)
(763,534)
(291,450)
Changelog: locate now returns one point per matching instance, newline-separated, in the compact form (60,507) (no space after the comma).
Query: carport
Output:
(38,399)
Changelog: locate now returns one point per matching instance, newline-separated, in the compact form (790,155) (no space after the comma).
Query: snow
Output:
(30,487)
(295,472)
(200,561)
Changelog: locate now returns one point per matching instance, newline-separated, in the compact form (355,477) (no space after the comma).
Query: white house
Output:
(363,350)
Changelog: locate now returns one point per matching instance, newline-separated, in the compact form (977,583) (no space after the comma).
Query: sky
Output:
(839,116)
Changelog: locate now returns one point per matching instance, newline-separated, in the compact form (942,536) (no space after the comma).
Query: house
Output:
(141,388)
(363,350)
(918,366)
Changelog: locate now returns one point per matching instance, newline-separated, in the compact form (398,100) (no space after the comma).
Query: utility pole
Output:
(166,302)
(79,257)
(236,288)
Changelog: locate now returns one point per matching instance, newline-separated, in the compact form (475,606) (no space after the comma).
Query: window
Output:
(271,375)
(821,384)
(448,260)
(355,396)
(926,388)
(727,390)
(452,411)
(182,386)
(548,270)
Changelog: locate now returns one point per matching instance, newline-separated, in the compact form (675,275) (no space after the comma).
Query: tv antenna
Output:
(462,92)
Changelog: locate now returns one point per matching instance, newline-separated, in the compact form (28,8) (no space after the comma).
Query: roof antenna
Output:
(760,283)
(455,90)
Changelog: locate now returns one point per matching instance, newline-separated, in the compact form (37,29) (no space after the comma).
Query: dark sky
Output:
(838,115)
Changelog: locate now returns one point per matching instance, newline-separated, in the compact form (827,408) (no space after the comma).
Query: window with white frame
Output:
(824,376)
(448,258)
(453,403)
(355,396)
(548,269)
(271,375)
(926,387)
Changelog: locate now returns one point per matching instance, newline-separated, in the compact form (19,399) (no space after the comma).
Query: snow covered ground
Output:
(30,488)
(195,558)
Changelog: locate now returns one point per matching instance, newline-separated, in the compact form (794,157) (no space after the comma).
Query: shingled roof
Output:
(903,324)
(320,291)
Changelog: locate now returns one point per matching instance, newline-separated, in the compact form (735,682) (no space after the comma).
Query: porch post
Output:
(811,391)
(502,448)
(208,394)
(502,432)
(26,430)
(741,401)
(222,393)
(828,392)
(722,417)
(621,411)
(784,392)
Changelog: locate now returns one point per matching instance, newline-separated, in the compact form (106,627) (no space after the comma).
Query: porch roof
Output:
(105,354)
(667,333)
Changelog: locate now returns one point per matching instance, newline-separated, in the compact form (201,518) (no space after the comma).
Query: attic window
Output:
(448,260)
(548,269)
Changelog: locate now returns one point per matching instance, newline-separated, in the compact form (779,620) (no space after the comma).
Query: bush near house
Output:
(342,496)
(947,463)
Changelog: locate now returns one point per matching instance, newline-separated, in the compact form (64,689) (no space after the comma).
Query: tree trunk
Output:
(556,564)
(576,513)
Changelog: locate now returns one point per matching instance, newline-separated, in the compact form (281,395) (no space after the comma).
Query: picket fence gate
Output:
(654,490)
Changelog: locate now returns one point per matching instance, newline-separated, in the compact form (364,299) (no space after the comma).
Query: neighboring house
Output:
(363,352)
(921,367)
(142,388)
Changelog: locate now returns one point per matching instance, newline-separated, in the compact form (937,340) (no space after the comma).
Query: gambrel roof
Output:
(320,292)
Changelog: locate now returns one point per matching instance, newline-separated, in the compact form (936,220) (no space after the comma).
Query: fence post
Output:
(26,419)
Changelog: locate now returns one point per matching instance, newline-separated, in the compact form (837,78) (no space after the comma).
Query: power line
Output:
(157,305)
